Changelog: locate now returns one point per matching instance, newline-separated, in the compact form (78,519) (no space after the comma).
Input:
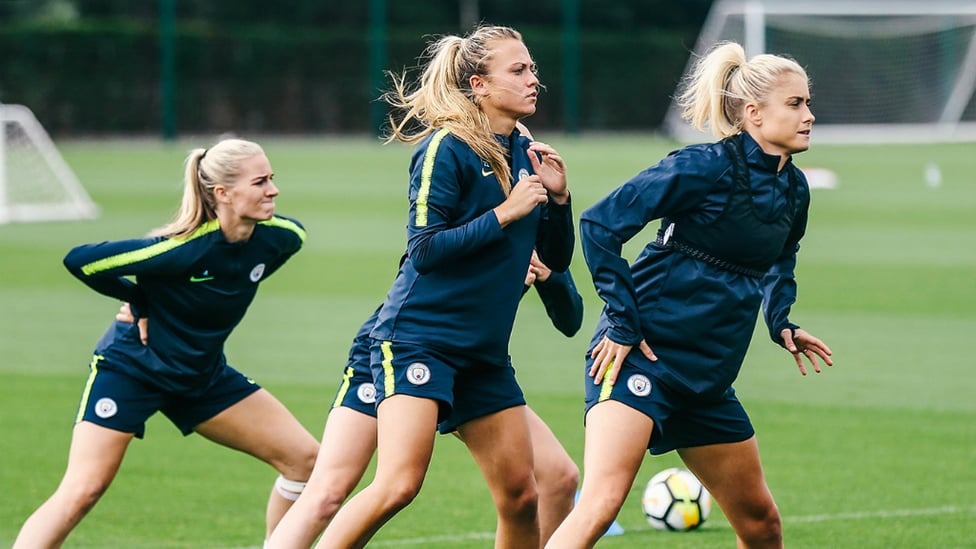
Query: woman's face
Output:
(510,89)
(252,196)
(782,125)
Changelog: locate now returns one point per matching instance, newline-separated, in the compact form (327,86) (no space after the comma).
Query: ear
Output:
(479,85)
(220,194)
(753,114)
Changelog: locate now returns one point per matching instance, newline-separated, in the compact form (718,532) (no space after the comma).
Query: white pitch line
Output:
(857,515)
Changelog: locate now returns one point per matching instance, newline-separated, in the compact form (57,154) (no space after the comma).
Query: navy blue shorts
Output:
(465,388)
(680,421)
(356,390)
(121,402)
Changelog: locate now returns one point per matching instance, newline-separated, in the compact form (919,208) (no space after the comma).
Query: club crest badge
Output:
(523,173)
(366,393)
(257,272)
(418,373)
(639,385)
(106,408)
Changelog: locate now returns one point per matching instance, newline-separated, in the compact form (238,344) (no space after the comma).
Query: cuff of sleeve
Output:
(777,338)
(623,336)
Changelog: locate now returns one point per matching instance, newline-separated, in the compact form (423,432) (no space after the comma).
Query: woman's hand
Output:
(538,271)
(551,169)
(525,196)
(801,344)
(608,355)
(125,315)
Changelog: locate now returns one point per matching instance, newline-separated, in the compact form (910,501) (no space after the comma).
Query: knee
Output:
(399,494)
(300,462)
(601,509)
(82,497)
(519,501)
(327,504)
(763,529)
(565,481)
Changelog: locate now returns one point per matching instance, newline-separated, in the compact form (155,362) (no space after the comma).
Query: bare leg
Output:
(556,474)
(406,427)
(348,443)
(502,448)
(733,474)
(93,460)
(261,426)
(616,440)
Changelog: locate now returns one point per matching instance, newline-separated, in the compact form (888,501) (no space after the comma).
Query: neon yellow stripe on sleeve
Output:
(88,385)
(148,252)
(425,175)
(389,387)
(286,224)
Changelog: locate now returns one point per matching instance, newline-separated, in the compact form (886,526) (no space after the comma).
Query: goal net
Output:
(35,182)
(880,72)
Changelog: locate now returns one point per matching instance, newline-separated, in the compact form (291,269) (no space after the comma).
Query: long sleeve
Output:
(557,237)
(562,301)
(435,196)
(779,284)
(676,184)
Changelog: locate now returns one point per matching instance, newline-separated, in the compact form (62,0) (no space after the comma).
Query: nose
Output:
(272,189)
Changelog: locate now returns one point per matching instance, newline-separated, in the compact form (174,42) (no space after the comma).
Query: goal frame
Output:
(76,204)
(948,128)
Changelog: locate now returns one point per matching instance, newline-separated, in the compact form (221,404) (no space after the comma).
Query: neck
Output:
(235,229)
(501,125)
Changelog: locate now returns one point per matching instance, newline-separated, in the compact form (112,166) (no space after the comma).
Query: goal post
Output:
(36,184)
(881,72)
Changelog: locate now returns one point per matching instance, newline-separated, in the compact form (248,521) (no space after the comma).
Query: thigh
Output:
(501,446)
(95,455)
(549,455)
(733,474)
(261,426)
(405,431)
(616,441)
(348,444)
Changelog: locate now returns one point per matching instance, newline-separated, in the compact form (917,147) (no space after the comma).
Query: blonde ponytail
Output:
(722,82)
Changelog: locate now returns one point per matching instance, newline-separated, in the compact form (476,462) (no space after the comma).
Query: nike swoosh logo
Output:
(486,173)
(200,278)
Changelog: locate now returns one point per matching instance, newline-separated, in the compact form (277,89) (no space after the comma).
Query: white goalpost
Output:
(35,182)
(881,71)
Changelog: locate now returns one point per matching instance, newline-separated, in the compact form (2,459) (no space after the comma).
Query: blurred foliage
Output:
(302,66)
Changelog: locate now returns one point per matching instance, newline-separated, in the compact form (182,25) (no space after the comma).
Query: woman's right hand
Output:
(125,315)
(525,196)
(608,355)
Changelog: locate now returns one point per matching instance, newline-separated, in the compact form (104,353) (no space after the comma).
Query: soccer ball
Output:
(675,500)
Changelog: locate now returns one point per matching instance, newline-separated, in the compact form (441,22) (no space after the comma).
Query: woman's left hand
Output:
(551,170)
(802,344)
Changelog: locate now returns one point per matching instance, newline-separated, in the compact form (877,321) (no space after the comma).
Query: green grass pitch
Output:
(877,452)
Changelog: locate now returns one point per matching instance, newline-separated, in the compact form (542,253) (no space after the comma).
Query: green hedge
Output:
(104,77)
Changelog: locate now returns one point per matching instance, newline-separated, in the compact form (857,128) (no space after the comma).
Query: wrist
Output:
(559,198)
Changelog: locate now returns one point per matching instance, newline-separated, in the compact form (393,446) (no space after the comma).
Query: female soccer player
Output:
(482,196)
(349,438)
(194,279)
(733,213)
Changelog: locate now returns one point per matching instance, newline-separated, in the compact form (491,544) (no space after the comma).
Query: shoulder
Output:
(709,161)
(285,227)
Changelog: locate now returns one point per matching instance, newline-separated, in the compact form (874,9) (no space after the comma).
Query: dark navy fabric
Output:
(194,292)
(697,317)
(459,288)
